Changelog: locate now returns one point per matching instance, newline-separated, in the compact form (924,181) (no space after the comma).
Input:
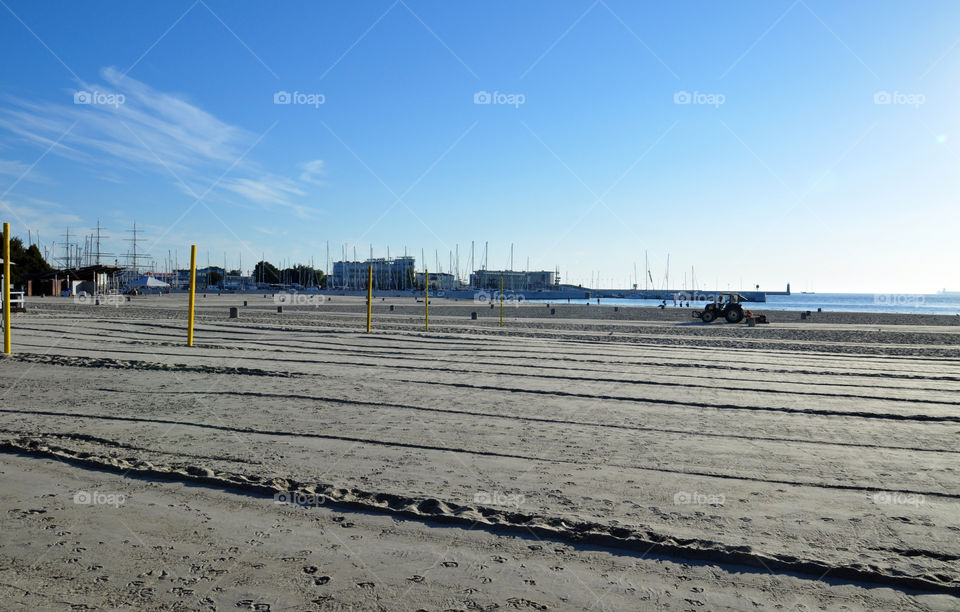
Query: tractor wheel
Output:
(734,315)
(708,316)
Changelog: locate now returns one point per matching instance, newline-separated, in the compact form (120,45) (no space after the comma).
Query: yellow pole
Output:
(6,289)
(193,291)
(369,296)
(426,299)
(501,301)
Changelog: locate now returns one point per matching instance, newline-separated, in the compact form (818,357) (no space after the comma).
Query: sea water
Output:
(940,303)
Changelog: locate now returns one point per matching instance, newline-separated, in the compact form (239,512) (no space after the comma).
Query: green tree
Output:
(27,263)
(265,272)
(304,275)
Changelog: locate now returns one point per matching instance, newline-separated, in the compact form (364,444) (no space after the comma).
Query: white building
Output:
(396,274)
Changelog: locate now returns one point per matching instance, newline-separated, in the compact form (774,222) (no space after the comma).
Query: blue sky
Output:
(819,144)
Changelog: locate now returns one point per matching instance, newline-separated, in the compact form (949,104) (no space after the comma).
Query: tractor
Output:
(726,305)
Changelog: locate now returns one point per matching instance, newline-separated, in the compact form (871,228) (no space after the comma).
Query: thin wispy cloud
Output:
(48,218)
(16,169)
(125,125)
(314,172)
(270,192)
(46,203)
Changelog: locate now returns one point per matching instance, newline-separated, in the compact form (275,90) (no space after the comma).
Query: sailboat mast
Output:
(646,269)
(667,279)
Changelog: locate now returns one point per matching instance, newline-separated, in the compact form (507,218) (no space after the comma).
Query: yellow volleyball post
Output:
(193,291)
(6,289)
(369,296)
(426,299)
(501,301)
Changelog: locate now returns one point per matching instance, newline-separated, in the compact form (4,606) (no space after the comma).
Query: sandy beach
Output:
(579,457)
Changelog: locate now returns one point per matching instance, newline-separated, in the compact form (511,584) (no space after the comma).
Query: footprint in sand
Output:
(144,592)
(450,564)
(518,602)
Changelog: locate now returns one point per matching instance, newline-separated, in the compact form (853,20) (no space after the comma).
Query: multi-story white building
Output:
(513,281)
(439,281)
(397,274)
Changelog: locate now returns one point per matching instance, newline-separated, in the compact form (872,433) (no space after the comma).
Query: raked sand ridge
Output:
(586,458)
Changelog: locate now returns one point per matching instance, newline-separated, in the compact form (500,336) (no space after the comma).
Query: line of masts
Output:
(86,251)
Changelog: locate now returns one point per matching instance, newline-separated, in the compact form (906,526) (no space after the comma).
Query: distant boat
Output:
(808,292)
(945,292)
